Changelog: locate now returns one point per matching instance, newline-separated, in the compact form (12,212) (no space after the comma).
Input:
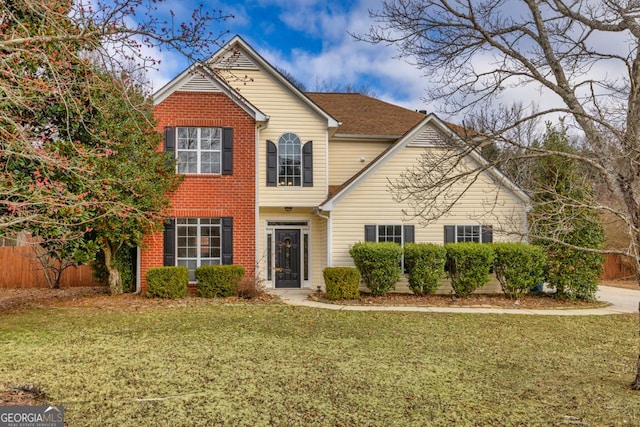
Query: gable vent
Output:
(235,59)
(428,138)
(198,83)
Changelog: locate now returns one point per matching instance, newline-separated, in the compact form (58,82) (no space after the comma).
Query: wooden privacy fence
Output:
(20,270)
(618,267)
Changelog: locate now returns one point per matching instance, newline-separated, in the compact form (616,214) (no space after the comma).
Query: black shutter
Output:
(409,234)
(170,144)
(449,234)
(272,164)
(227,240)
(170,243)
(227,151)
(370,233)
(169,138)
(487,234)
(307,164)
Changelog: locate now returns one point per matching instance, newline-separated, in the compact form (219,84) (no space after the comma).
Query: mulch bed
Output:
(541,301)
(23,395)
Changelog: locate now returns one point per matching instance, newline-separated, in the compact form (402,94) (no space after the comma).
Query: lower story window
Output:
(199,243)
(468,233)
(395,233)
(390,233)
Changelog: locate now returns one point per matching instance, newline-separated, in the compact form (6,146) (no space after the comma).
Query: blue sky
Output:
(310,39)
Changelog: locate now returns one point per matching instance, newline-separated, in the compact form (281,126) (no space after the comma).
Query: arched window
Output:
(289,160)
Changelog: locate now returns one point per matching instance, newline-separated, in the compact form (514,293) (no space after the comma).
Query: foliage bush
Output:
(341,282)
(250,288)
(218,280)
(378,264)
(167,282)
(563,218)
(425,264)
(519,267)
(572,273)
(469,265)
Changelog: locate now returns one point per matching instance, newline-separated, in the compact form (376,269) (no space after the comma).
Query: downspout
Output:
(316,211)
(138,284)
(257,197)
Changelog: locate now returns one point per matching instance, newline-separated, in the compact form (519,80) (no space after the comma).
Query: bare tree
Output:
(52,54)
(581,57)
(77,134)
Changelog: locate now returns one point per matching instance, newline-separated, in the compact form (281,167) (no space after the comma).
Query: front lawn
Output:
(269,364)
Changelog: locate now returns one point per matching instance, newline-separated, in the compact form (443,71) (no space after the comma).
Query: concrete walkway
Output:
(622,301)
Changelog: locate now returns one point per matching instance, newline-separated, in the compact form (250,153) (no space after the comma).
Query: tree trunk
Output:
(635,385)
(115,280)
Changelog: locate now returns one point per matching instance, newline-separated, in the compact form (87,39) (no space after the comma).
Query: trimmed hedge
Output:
(469,265)
(218,280)
(425,264)
(378,264)
(341,282)
(518,267)
(167,282)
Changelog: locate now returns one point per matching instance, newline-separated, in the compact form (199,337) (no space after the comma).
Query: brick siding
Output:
(211,196)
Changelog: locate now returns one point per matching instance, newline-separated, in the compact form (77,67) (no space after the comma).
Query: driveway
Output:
(623,300)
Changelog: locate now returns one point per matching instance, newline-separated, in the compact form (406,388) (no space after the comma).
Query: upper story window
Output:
(204,150)
(289,160)
(199,149)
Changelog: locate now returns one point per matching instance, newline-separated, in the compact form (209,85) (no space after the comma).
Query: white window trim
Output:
(402,239)
(198,150)
(278,162)
(479,227)
(198,226)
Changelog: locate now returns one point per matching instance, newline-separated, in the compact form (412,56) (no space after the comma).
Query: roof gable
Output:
(421,135)
(198,78)
(237,54)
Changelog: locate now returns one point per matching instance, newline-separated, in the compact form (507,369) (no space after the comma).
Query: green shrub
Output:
(425,265)
(469,265)
(218,280)
(518,267)
(378,264)
(341,282)
(167,282)
(574,274)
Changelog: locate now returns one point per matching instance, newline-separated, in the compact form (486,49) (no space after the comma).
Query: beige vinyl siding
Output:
(371,202)
(347,157)
(287,113)
(317,241)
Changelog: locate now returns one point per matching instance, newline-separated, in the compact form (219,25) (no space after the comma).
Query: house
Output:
(283,182)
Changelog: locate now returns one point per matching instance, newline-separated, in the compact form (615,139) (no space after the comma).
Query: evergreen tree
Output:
(563,221)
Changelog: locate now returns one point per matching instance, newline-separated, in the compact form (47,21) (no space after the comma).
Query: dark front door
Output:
(287,258)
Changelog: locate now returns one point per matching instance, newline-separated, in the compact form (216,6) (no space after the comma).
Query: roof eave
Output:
(365,136)
(327,205)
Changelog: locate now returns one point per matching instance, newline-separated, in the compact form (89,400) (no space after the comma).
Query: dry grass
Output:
(270,364)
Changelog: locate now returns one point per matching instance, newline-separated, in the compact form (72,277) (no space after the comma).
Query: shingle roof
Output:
(363,115)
